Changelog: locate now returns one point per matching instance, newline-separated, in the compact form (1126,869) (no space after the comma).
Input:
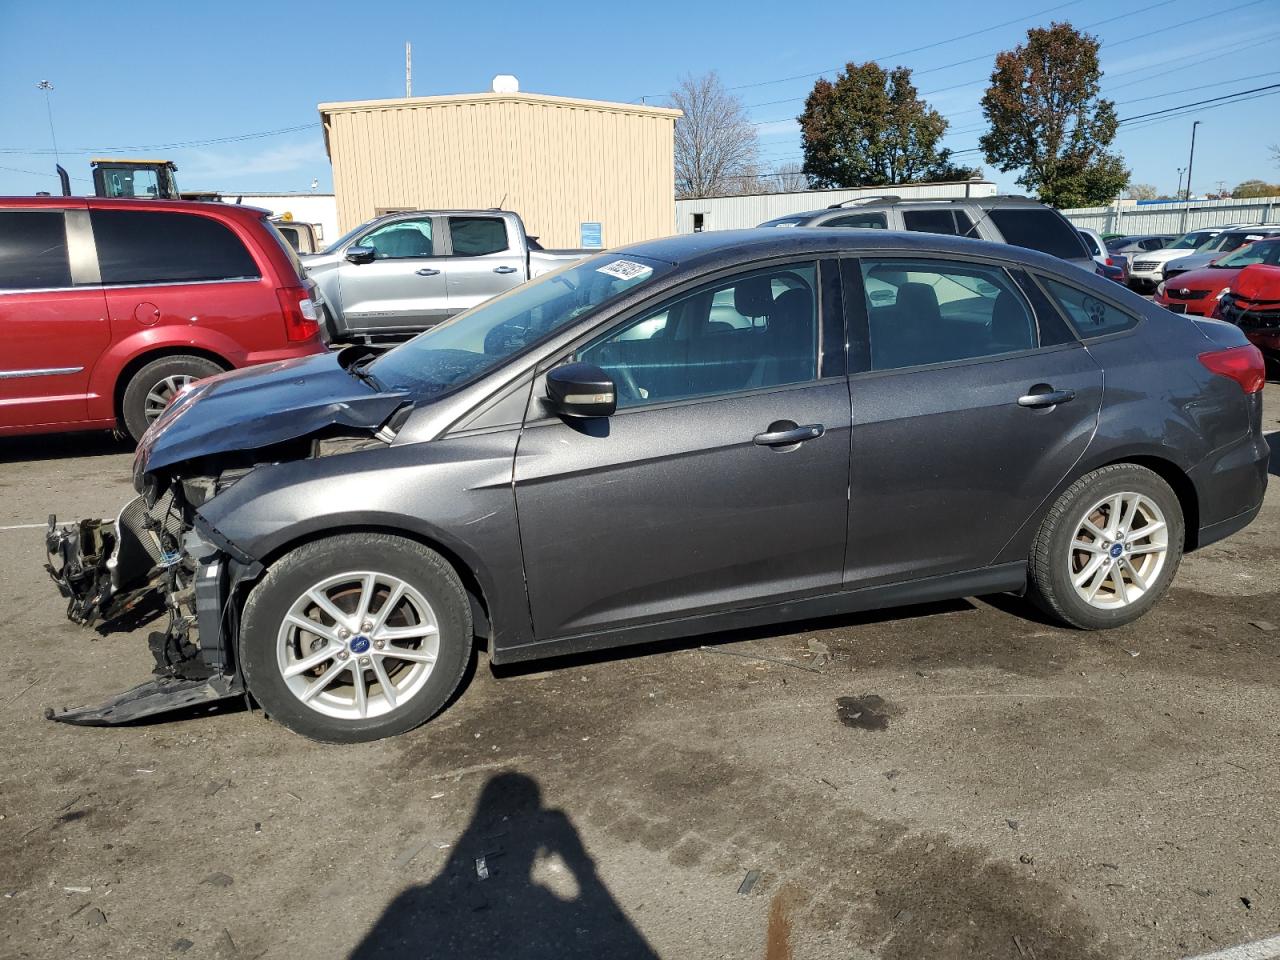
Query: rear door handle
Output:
(1048,399)
(427,272)
(782,438)
(504,269)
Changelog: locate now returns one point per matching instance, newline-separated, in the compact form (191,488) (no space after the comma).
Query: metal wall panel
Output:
(1175,216)
(737,213)
(558,162)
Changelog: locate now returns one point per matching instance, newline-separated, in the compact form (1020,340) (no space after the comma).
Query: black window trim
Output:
(862,368)
(538,414)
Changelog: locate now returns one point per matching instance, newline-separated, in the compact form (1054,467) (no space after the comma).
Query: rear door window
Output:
(136,247)
(1037,228)
(1091,316)
(954,223)
(477,236)
(935,311)
(33,250)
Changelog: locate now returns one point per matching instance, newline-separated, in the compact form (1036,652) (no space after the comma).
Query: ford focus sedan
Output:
(692,434)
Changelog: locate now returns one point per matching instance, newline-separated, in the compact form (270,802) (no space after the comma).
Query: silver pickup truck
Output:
(404,272)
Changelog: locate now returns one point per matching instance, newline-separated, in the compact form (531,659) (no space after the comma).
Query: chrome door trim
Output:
(43,372)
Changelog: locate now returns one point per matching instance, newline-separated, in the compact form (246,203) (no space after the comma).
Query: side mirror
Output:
(581,390)
(360,254)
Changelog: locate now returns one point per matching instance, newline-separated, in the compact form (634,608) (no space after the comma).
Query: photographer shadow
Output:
(519,884)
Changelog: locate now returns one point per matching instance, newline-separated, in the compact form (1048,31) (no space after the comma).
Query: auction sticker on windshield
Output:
(625,269)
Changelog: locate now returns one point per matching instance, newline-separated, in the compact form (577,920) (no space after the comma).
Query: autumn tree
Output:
(869,128)
(1143,191)
(1048,120)
(1256,188)
(717,148)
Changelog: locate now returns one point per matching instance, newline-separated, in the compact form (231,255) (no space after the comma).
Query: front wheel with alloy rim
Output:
(1108,548)
(356,637)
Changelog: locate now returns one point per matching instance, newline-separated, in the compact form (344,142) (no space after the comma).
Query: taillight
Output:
(1243,364)
(1110,262)
(301,322)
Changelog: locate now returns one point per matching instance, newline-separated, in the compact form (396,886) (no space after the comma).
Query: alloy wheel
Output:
(1118,550)
(158,397)
(358,645)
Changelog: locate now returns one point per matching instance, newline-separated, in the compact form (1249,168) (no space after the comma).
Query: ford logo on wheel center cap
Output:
(359,644)
(1116,550)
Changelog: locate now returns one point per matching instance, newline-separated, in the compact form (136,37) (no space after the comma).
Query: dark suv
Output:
(701,433)
(1002,219)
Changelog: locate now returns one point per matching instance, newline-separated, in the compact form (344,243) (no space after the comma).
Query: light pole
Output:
(1186,208)
(47,87)
(1177,193)
(1191,159)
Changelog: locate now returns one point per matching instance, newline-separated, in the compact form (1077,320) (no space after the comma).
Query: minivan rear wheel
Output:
(1108,548)
(356,637)
(152,387)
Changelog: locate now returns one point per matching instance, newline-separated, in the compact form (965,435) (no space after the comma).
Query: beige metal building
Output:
(564,165)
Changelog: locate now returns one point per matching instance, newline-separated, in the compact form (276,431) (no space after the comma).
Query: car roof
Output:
(709,249)
(873,203)
(235,210)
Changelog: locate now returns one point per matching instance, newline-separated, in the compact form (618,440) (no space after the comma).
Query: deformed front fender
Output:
(455,493)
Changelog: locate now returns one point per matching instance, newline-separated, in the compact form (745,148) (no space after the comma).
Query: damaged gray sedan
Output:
(701,433)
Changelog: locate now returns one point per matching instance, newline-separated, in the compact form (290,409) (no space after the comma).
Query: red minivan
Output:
(110,307)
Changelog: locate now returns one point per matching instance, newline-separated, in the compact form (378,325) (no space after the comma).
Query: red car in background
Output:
(1253,304)
(1197,291)
(109,307)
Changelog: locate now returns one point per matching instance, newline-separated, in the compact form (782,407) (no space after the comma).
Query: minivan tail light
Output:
(1242,364)
(301,321)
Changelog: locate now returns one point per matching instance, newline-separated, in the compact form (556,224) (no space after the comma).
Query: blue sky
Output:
(148,77)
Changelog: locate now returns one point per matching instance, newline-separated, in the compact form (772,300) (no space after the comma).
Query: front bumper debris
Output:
(148,563)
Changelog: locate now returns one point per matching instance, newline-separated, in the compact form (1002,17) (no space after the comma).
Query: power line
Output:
(1226,96)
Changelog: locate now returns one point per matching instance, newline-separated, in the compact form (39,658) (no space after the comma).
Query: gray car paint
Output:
(641,526)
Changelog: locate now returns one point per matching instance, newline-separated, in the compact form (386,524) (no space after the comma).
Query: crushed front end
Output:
(151,564)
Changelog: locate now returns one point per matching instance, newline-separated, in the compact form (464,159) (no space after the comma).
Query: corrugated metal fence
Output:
(1175,216)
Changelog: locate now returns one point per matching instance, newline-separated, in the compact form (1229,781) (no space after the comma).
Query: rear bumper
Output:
(1230,485)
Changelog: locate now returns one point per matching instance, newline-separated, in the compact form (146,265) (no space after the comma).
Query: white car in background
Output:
(1146,270)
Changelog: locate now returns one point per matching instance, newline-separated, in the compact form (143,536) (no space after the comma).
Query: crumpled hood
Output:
(1258,281)
(260,406)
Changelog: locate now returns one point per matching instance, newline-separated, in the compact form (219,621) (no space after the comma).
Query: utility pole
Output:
(408,69)
(47,87)
(1190,163)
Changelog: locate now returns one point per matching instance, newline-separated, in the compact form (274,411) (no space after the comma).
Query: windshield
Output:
(1264,251)
(1191,241)
(1229,241)
(333,247)
(459,350)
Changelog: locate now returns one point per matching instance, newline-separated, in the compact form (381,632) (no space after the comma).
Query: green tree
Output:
(1256,188)
(870,128)
(1048,120)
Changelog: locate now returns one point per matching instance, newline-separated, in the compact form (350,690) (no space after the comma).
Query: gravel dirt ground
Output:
(956,781)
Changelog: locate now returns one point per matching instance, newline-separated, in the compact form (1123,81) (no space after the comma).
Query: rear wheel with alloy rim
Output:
(356,637)
(1108,548)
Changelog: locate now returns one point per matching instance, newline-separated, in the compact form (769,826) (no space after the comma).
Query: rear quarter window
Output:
(136,246)
(1089,316)
(1039,229)
(33,250)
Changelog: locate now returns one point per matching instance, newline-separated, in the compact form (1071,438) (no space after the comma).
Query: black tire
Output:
(296,572)
(1050,572)
(134,405)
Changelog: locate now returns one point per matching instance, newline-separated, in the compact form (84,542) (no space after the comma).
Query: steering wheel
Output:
(626,383)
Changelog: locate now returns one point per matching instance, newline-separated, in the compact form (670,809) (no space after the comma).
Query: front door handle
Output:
(788,436)
(504,269)
(427,272)
(1049,398)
